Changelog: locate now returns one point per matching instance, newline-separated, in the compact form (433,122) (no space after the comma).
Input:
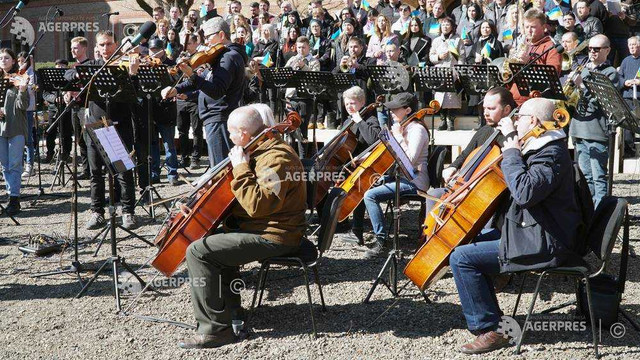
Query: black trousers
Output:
(77,121)
(125,180)
(67,132)
(188,118)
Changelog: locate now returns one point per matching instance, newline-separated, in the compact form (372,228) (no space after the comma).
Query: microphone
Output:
(21,4)
(111,13)
(146,30)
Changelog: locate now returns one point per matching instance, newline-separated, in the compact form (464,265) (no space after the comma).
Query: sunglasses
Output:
(597,49)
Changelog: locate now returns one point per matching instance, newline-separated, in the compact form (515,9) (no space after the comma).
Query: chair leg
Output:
(526,321)
(515,308)
(255,292)
(315,273)
(263,282)
(306,282)
(593,320)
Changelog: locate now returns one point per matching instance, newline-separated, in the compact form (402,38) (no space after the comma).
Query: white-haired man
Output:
(540,224)
(267,220)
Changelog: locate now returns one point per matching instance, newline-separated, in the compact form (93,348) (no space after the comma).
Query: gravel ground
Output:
(41,319)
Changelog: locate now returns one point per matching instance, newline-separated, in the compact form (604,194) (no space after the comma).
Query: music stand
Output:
(5,84)
(112,82)
(536,77)
(52,80)
(403,165)
(150,80)
(279,78)
(111,148)
(314,85)
(478,79)
(617,111)
(435,79)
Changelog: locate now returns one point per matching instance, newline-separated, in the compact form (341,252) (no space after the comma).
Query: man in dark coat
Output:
(540,224)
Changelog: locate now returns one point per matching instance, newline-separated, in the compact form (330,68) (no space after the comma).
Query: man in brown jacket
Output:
(267,220)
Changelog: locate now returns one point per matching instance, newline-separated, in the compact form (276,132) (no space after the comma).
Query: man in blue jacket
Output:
(540,224)
(221,88)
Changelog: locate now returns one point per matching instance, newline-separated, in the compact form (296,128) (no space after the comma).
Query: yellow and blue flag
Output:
(486,50)
(638,74)
(336,34)
(365,5)
(434,29)
(465,33)
(507,34)
(266,60)
(453,49)
(555,13)
(415,12)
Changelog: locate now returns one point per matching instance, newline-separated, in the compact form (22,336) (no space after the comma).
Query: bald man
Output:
(589,124)
(540,224)
(266,220)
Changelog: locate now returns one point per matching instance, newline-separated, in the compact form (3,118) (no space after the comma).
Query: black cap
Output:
(402,100)
(156,44)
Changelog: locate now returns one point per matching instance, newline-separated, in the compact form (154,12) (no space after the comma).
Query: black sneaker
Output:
(13,207)
(377,250)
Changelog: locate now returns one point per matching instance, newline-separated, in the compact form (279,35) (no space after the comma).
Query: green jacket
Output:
(271,194)
(14,122)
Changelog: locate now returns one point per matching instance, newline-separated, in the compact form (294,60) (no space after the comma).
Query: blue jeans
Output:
(472,267)
(29,140)
(372,199)
(593,157)
(218,142)
(167,132)
(11,162)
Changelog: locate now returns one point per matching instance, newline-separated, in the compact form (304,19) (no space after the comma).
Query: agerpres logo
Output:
(23,30)
(509,328)
(269,179)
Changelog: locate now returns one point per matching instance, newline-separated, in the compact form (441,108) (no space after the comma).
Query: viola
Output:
(373,164)
(204,208)
(332,157)
(469,202)
(199,58)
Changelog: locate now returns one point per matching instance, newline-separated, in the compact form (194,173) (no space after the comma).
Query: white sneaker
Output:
(28,171)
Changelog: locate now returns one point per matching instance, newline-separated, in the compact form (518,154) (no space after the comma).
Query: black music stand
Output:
(52,80)
(478,79)
(110,83)
(536,77)
(387,79)
(113,167)
(5,84)
(617,111)
(314,85)
(402,166)
(278,79)
(435,79)
(150,80)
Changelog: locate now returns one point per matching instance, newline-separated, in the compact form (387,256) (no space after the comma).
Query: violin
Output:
(199,58)
(373,163)
(200,213)
(149,60)
(470,201)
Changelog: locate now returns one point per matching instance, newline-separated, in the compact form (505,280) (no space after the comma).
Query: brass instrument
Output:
(518,55)
(567,57)
(569,88)
(352,61)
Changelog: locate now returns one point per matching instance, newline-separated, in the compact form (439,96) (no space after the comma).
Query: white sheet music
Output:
(113,146)
(394,146)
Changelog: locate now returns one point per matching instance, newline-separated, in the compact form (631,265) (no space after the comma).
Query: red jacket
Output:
(553,58)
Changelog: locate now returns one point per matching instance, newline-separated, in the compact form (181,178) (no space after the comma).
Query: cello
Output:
(206,206)
(373,163)
(337,152)
(469,202)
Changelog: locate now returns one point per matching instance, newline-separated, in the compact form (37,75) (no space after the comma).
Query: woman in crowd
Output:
(382,35)
(415,45)
(469,28)
(13,130)
(289,45)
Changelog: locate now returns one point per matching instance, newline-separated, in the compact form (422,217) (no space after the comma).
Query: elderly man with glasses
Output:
(589,124)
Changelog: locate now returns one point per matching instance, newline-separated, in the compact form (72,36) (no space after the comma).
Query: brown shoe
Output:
(486,342)
(204,341)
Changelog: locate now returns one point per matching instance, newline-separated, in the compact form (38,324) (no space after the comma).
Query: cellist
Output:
(367,132)
(540,226)
(267,220)
(414,140)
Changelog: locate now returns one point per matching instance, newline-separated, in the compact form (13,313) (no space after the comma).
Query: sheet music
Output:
(113,146)
(394,146)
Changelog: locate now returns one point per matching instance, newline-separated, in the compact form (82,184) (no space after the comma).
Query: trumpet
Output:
(351,60)
(567,57)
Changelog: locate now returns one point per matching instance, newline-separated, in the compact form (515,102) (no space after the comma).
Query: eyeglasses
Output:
(406,9)
(597,49)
